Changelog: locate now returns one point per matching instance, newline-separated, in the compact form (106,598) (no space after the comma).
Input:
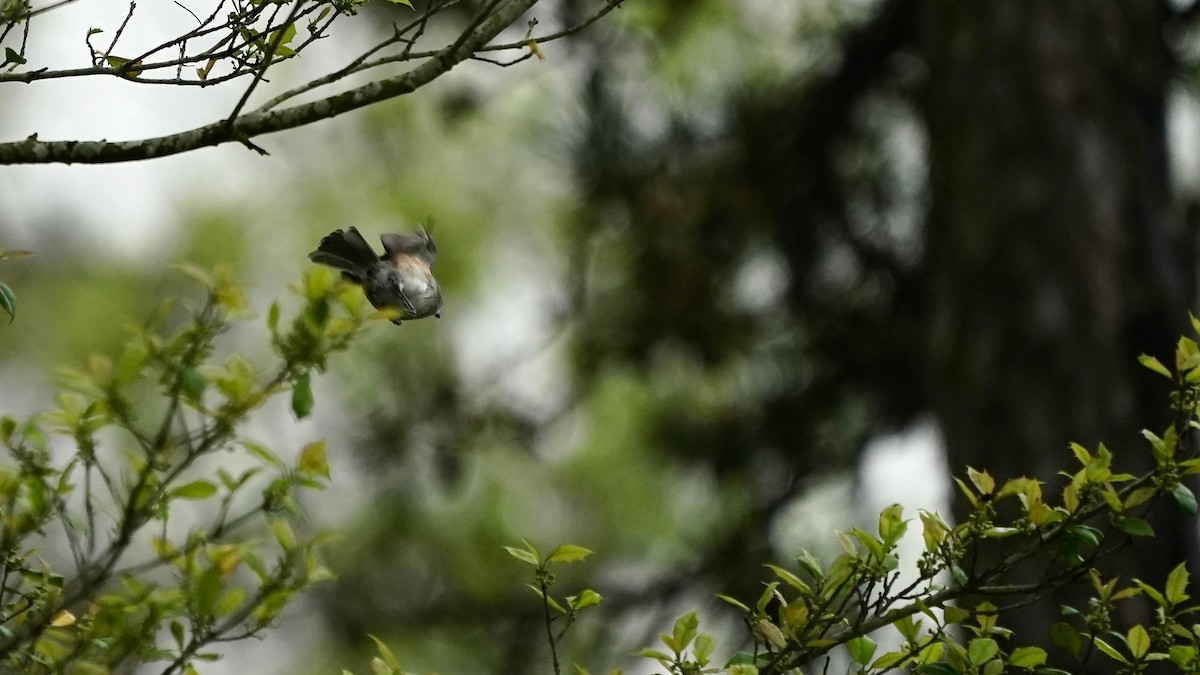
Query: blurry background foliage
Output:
(694,261)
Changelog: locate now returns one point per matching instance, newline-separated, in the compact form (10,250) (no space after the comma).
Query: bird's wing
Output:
(409,309)
(418,244)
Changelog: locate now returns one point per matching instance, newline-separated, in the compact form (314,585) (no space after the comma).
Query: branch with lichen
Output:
(251,39)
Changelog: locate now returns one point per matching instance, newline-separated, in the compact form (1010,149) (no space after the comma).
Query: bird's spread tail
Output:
(346,251)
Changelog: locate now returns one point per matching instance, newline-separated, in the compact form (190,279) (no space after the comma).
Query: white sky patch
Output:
(1183,140)
(127,208)
(908,468)
(761,281)
(507,342)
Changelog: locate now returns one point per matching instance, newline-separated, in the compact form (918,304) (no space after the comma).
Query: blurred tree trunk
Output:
(1053,255)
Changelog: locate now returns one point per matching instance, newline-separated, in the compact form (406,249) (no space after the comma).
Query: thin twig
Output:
(185,8)
(361,64)
(357,64)
(609,6)
(34,150)
(42,10)
(549,614)
(121,29)
(268,59)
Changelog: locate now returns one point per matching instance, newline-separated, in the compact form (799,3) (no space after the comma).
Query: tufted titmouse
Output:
(399,279)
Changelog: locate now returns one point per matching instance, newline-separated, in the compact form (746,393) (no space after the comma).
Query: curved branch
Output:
(242,129)
(361,63)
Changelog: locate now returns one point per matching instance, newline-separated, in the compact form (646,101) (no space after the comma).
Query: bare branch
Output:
(248,126)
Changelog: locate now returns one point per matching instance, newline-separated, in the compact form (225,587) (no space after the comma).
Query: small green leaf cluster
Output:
(255,34)
(1019,543)
(690,650)
(801,616)
(140,584)
(543,579)
(566,609)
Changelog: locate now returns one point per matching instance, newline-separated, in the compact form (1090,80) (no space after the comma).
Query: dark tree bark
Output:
(1053,255)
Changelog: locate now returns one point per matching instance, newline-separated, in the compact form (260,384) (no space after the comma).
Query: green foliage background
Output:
(590,206)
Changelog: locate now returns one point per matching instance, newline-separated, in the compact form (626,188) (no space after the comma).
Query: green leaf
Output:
(703,648)
(1139,641)
(1137,527)
(7,426)
(982,481)
(907,627)
(177,633)
(869,543)
(569,553)
(131,363)
(1155,365)
(769,593)
(406,3)
(953,614)
(771,633)
(1110,651)
(1181,655)
(586,598)
(231,601)
(11,56)
(1138,497)
(683,631)
(1152,593)
(379,667)
(385,653)
(1089,534)
(208,589)
(197,273)
(8,301)
(312,460)
(192,384)
(861,649)
(933,529)
(522,555)
(967,493)
(1185,498)
(809,563)
(1027,657)
(199,489)
(654,654)
(790,579)
(283,534)
(735,602)
(1065,637)
(982,650)
(958,574)
(892,525)
(281,39)
(263,453)
(1176,587)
